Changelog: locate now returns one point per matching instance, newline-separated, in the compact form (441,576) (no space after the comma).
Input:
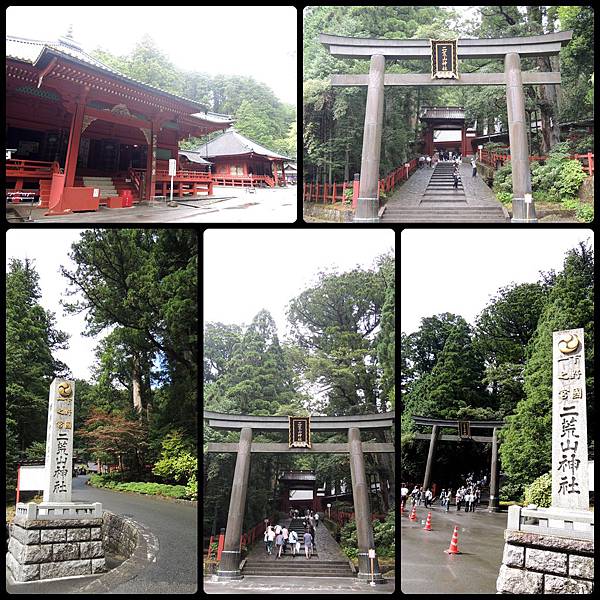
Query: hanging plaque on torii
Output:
(444,64)
(299,433)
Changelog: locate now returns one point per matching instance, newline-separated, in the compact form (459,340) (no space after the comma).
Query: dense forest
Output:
(498,368)
(258,113)
(138,413)
(333,117)
(337,359)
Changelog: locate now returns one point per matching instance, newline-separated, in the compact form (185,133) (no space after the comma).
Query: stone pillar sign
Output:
(59,442)
(569,422)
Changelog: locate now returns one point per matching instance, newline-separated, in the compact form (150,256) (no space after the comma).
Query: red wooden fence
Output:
(341,518)
(335,192)
(493,158)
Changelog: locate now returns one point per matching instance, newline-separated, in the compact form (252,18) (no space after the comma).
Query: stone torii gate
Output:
(229,567)
(509,49)
(464,428)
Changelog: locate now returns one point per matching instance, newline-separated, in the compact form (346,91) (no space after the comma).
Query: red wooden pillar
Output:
(151,162)
(275,176)
(429,141)
(464,149)
(355,190)
(74,139)
(245,166)
(283,181)
(221,543)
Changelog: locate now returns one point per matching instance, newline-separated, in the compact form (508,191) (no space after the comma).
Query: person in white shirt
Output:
(293,539)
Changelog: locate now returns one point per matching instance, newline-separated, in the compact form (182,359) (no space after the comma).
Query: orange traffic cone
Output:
(453,543)
(413,514)
(428,524)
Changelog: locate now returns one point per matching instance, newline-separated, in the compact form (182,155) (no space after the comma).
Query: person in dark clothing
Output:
(455,175)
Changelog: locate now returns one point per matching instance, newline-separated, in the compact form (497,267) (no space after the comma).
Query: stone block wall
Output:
(545,564)
(51,548)
(120,535)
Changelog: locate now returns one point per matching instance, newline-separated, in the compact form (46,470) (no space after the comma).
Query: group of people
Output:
(282,536)
(467,495)
(425,160)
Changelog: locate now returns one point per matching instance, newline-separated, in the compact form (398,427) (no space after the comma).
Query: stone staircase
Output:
(441,186)
(106,185)
(298,566)
(441,203)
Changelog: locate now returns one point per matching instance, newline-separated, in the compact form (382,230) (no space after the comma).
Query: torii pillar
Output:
(368,197)
(517,132)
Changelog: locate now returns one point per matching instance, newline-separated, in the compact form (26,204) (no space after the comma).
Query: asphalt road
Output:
(174,524)
(427,569)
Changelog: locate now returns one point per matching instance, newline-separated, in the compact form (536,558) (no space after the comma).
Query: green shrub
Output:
(511,492)
(504,197)
(177,461)
(539,491)
(570,203)
(585,212)
(503,179)
(570,177)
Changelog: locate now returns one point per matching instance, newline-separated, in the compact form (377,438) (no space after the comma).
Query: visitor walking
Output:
(421,162)
(455,177)
(279,544)
(307,544)
(474,167)
(270,538)
(448,498)
(294,543)
(266,539)
(428,497)
(277,529)
(428,159)
(316,519)
(285,532)
(459,498)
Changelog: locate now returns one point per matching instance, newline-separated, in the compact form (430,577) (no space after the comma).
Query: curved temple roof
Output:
(232,143)
(39,52)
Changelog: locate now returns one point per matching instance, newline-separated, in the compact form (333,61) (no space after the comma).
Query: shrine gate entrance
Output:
(509,49)
(464,433)
(229,567)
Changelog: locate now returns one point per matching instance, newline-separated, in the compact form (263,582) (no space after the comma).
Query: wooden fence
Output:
(336,192)
(341,517)
(497,159)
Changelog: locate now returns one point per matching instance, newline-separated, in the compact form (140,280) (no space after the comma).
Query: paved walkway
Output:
(227,205)
(297,585)
(414,202)
(427,569)
(172,566)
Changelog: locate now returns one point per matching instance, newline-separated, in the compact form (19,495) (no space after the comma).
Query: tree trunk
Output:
(136,377)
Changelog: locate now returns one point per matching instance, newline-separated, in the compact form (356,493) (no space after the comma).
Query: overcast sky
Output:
(258,41)
(248,270)
(48,248)
(458,270)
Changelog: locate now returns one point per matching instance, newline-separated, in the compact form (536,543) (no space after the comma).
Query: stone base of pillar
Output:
(494,505)
(366,210)
(364,569)
(55,548)
(523,212)
(229,567)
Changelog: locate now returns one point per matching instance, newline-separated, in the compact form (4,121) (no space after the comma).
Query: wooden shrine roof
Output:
(194,157)
(454,113)
(39,54)
(232,143)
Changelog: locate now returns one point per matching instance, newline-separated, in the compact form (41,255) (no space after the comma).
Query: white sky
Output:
(248,270)
(458,270)
(49,249)
(256,41)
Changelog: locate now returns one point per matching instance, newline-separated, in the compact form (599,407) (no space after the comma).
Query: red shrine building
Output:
(239,161)
(79,132)
(446,131)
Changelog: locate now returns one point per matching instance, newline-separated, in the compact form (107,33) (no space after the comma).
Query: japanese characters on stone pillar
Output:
(59,441)
(569,422)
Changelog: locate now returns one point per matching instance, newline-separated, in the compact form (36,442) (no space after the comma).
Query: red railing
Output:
(242,180)
(341,517)
(16,167)
(336,192)
(495,158)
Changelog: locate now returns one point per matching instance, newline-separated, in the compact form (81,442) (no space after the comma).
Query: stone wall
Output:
(545,564)
(120,535)
(51,548)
